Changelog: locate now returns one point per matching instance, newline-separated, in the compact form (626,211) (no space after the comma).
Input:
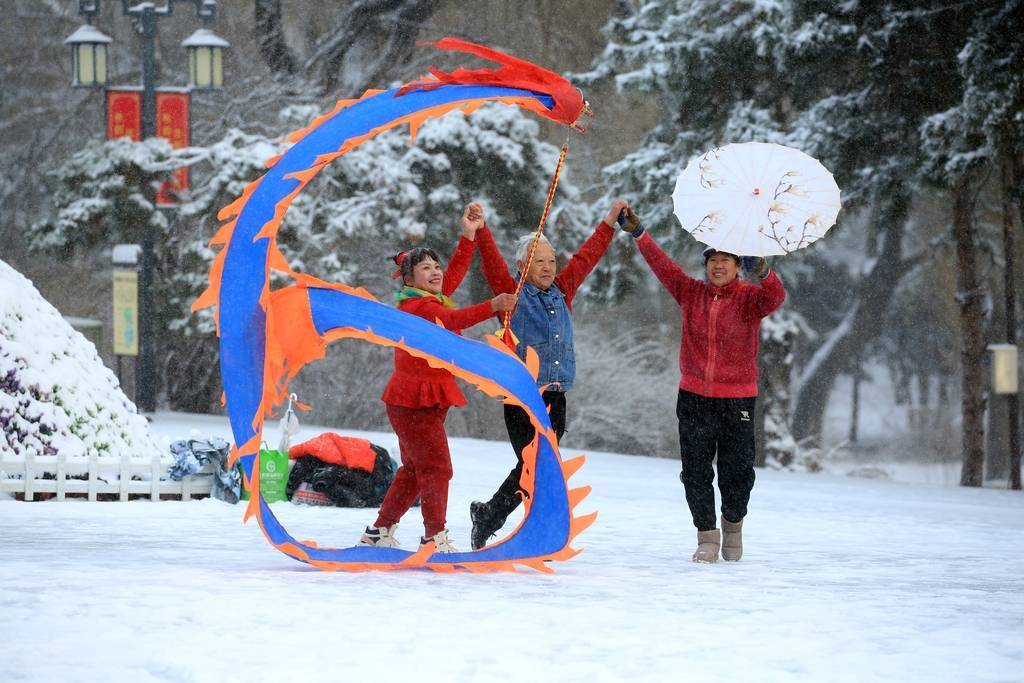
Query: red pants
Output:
(425,471)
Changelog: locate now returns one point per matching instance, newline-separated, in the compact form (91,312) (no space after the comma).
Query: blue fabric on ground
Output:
(192,455)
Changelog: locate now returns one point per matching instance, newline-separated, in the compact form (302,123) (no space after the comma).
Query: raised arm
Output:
(767,297)
(672,277)
(494,266)
(458,266)
(495,269)
(589,253)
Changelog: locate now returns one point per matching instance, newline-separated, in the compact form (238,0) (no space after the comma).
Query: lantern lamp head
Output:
(88,56)
(205,59)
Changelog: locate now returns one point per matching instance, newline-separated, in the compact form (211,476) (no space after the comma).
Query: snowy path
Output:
(843,580)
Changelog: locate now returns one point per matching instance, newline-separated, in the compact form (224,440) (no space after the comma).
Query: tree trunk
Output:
(855,408)
(970,297)
(270,36)
(1011,185)
(862,323)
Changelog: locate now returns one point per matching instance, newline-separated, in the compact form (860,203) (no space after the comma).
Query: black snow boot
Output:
(489,517)
(483,524)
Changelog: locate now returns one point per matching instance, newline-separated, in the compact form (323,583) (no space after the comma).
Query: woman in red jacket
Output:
(721,320)
(418,397)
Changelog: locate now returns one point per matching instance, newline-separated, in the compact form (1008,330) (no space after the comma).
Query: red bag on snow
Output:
(345,451)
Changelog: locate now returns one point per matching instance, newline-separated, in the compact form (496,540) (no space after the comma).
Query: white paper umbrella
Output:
(756,199)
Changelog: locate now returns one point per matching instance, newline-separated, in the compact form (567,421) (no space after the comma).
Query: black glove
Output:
(756,265)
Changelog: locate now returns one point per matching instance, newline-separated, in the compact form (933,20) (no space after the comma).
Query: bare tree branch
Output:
(270,36)
(390,24)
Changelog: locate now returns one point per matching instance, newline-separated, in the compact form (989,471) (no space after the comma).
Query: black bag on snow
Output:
(344,486)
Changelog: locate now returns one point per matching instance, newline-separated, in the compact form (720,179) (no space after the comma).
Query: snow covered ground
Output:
(844,579)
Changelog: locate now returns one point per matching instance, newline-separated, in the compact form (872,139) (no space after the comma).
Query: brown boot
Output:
(732,540)
(708,543)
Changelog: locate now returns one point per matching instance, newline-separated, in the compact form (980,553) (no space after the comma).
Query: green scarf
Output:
(408,292)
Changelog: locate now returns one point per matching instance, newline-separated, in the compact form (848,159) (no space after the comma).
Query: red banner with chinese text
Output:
(172,124)
(124,119)
(124,114)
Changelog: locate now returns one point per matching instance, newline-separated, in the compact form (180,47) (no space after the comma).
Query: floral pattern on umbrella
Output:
(756,199)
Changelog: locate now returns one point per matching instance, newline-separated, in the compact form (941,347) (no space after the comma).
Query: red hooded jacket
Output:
(415,384)
(346,451)
(721,326)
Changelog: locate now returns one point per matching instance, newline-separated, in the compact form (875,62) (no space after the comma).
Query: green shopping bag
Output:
(273,476)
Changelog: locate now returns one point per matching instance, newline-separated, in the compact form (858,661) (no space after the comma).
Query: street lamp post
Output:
(89,48)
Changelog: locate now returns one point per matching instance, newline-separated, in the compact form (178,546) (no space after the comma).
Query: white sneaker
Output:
(384,537)
(441,542)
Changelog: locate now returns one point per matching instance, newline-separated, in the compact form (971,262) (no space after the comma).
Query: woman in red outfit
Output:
(418,396)
(721,318)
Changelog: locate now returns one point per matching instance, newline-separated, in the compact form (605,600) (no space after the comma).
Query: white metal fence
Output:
(94,476)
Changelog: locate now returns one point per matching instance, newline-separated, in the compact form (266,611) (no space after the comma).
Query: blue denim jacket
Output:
(542,320)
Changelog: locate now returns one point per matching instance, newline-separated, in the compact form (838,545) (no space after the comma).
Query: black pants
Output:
(520,434)
(716,425)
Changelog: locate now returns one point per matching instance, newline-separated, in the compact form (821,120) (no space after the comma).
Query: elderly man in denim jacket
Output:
(543,320)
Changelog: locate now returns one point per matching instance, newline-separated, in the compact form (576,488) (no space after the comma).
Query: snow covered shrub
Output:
(802,457)
(56,396)
(808,456)
(105,194)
